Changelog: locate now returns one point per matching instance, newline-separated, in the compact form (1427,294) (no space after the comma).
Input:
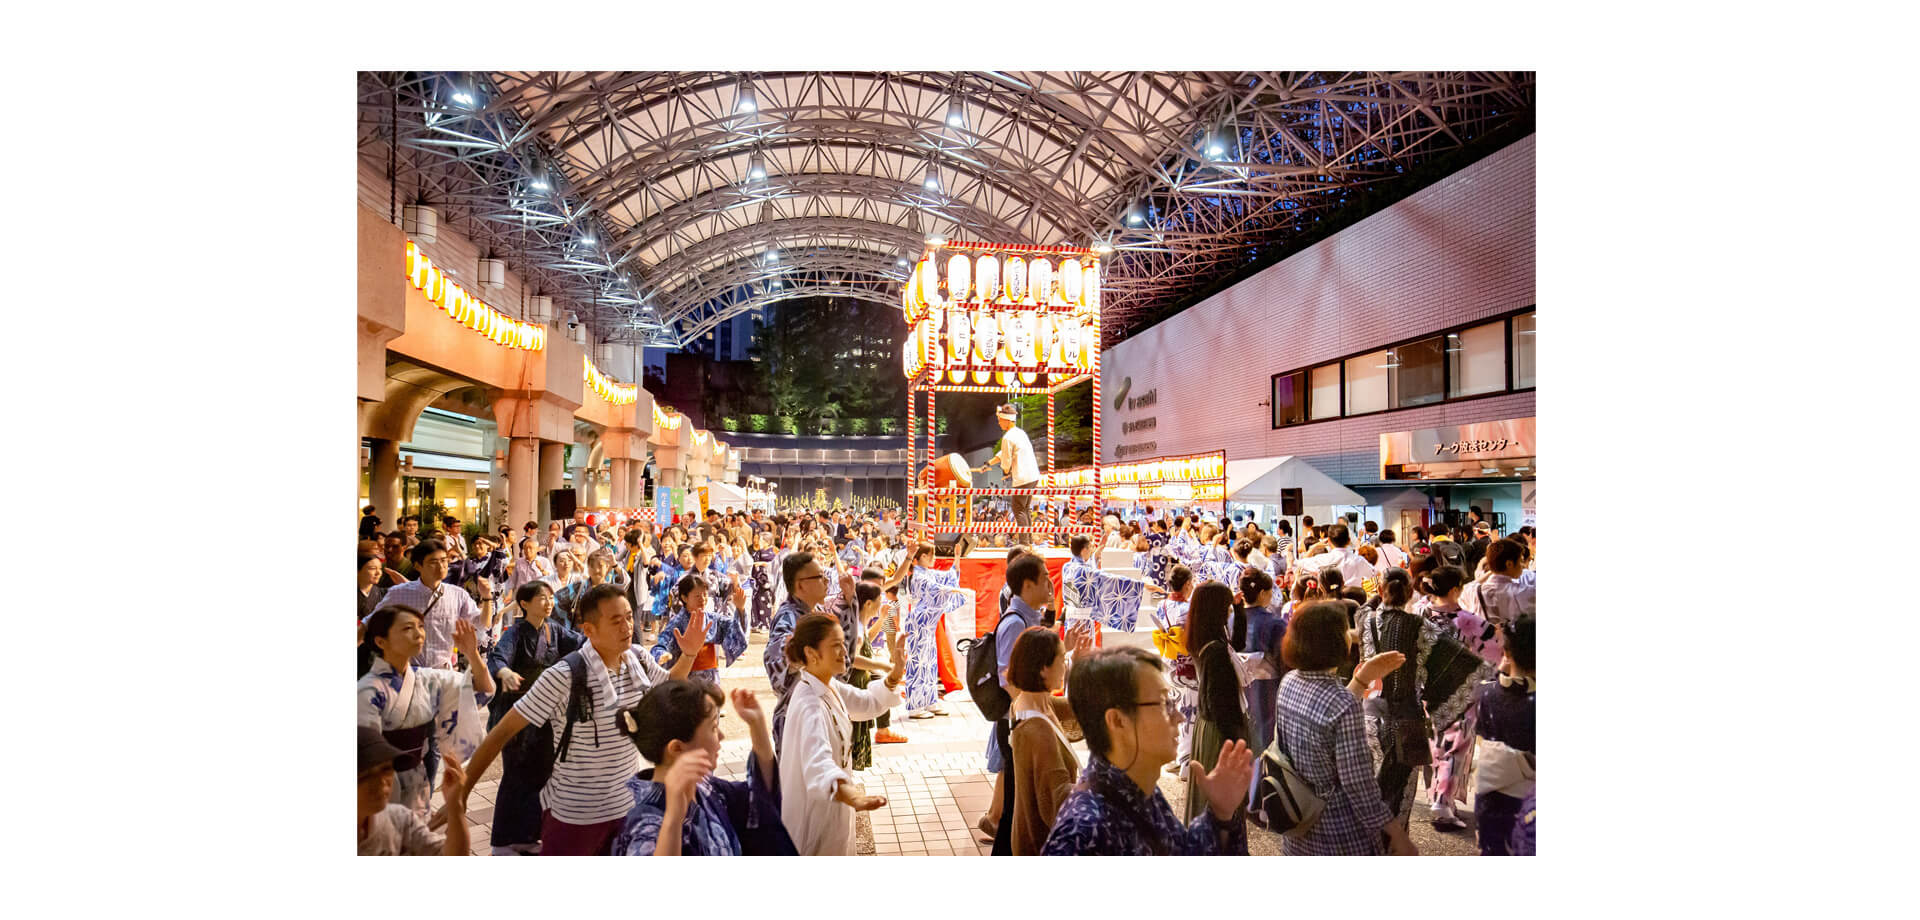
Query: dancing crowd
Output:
(1305,683)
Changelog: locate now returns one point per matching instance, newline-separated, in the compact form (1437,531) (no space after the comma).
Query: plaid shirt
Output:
(1322,731)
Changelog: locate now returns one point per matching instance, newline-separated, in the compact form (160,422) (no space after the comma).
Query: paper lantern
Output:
(986,279)
(1043,337)
(1039,280)
(1072,275)
(959,278)
(1090,287)
(1014,279)
(910,356)
(927,284)
(1068,340)
(986,332)
(959,335)
(980,376)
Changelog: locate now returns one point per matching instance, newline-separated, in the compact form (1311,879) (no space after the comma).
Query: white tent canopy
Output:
(1259,481)
(720,495)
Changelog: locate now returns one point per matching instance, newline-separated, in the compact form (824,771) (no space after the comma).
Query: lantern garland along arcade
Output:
(1173,480)
(1009,314)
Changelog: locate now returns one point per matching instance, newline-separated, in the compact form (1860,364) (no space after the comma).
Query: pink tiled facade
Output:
(1459,250)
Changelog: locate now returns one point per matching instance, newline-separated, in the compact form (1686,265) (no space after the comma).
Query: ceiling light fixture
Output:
(747,103)
(932,182)
(588,241)
(539,184)
(1136,214)
(1103,248)
(956,114)
(756,168)
(463,97)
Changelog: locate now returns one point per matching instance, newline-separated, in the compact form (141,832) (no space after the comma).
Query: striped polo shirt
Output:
(590,785)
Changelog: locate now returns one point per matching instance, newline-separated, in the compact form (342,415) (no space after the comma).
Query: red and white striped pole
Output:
(1099,496)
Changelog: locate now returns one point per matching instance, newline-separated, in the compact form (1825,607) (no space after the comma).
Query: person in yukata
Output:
(1088,593)
(679,807)
(410,705)
(818,792)
(934,593)
(806,586)
(723,635)
(528,647)
(390,829)
(1122,701)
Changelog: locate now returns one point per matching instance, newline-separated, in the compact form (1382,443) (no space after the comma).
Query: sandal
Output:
(985,827)
(888,736)
(922,714)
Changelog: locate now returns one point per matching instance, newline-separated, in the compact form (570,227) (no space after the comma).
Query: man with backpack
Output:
(1029,590)
(585,799)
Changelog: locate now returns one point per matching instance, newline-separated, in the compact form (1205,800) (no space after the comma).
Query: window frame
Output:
(1446,372)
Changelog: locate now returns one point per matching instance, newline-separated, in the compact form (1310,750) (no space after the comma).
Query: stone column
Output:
(617,493)
(636,483)
(523,474)
(384,487)
(553,471)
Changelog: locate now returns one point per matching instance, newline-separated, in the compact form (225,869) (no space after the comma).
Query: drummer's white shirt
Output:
(1026,470)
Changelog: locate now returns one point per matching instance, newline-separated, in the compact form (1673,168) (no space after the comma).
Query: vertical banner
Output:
(703,502)
(662,506)
(1527,511)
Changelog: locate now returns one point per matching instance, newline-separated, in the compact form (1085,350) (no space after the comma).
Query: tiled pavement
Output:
(936,783)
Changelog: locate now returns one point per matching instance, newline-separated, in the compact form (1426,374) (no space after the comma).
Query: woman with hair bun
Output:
(679,807)
(1399,720)
(818,792)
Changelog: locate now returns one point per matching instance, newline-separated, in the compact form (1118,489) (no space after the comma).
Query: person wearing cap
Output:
(387,828)
(1015,459)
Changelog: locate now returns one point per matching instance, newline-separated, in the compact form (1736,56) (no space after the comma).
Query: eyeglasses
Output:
(1171,701)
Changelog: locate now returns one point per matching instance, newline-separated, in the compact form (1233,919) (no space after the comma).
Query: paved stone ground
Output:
(936,783)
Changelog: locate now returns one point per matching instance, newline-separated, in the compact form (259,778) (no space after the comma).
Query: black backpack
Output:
(983,672)
(1451,553)
(579,709)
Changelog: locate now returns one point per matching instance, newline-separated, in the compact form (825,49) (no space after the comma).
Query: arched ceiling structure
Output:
(658,204)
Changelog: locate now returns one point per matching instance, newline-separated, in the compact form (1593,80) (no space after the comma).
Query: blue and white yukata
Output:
(725,817)
(1112,600)
(934,593)
(411,708)
(724,628)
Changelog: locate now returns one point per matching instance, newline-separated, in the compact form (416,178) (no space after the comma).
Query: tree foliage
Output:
(1072,425)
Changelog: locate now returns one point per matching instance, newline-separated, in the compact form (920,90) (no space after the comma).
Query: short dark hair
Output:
(1284,527)
(1316,637)
(1516,637)
(425,548)
(532,524)
(865,592)
(1386,536)
(590,607)
(1500,553)
(1370,527)
(1023,570)
(1179,578)
(1339,535)
(530,590)
(1033,652)
(1106,679)
(671,710)
(792,566)
(1078,543)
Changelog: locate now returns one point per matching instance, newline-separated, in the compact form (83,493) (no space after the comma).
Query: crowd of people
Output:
(1335,668)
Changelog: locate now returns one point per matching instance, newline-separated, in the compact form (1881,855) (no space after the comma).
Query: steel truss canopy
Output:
(659,204)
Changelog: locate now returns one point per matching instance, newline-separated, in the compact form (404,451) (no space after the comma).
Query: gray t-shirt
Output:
(397,831)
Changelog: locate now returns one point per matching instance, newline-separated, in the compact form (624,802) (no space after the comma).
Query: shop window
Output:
(1477,358)
(1523,351)
(1420,379)
(1289,399)
(1367,387)
(1324,399)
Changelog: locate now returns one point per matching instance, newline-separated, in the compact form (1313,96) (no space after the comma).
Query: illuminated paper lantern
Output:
(1014,280)
(910,356)
(1068,353)
(980,376)
(959,278)
(1072,275)
(986,332)
(959,336)
(986,279)
(927,284)
(1090,287)
(1039,281)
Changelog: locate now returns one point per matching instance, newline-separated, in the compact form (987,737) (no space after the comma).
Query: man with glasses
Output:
(807,588)
(1122,701)
(440,604)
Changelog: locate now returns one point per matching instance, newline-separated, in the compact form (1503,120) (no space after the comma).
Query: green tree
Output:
(1072,425)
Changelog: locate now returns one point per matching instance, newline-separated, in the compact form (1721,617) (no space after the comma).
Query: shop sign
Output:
(1503,440)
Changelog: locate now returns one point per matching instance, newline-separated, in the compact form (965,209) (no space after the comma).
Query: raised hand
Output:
(508,679)
(1226,786)
(466,639)
(685,775)
(747,706)
(694,637)
(453,787)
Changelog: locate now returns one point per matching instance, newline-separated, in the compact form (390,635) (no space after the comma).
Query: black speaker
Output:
(1290,502)
(560,504)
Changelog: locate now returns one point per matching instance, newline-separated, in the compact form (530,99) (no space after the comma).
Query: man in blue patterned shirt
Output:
(1122,701)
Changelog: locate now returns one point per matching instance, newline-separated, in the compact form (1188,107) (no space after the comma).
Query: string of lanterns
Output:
(1198,477)
(468,310)
(1032,320)
(667,420)
(609,389)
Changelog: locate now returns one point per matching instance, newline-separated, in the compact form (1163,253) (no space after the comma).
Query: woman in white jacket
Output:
(818,794)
